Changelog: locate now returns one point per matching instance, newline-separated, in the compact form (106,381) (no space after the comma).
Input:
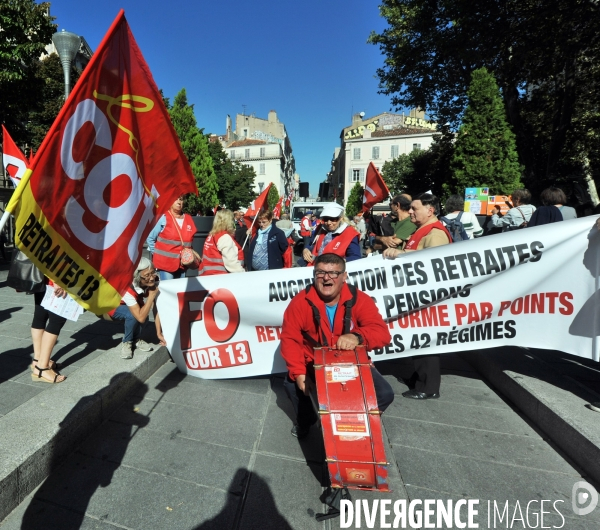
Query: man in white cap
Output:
(334,235)
(135,307)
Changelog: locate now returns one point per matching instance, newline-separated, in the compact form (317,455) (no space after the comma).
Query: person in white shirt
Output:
(454,206)
(516,217)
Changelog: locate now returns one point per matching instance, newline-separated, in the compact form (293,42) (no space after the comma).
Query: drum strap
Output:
(317,317)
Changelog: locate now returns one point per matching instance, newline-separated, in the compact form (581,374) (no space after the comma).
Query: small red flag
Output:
(375,188)
(289,198)
(277,209)
(257,205)
(13,159)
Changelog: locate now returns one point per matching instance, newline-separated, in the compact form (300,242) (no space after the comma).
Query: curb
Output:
(36,436)
(555,403)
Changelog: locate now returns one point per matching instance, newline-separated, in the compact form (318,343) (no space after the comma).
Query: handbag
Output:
(23,275)
(188,257)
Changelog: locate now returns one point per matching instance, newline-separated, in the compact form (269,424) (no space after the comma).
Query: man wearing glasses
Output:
(315,317)
(333,235)
(135,307)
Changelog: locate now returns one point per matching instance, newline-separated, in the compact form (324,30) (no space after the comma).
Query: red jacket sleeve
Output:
(292,341)
(369,323)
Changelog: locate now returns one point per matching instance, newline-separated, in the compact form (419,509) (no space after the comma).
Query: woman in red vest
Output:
(174,231)
(221,253)
(334,235)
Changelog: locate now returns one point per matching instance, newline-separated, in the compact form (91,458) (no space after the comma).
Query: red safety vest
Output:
(305,228)
(212,259)
(420,233)
(338,245)
(167,249)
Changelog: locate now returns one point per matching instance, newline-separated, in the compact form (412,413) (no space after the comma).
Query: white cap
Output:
(332,209)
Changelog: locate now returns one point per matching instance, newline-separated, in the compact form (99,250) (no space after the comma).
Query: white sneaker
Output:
(126,350)
(143,345)
(595,406)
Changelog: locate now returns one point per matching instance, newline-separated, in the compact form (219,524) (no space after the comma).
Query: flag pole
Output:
(4,218)
(247,235)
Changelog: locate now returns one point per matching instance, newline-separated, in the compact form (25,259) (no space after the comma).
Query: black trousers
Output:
(305,412)
(427,376)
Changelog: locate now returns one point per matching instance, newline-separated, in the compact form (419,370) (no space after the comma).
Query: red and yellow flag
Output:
(110,165)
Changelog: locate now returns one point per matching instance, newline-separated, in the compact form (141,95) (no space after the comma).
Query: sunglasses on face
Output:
(330,219)
(332,274)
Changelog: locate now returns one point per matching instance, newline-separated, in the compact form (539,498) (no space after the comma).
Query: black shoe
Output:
(415,394)
(300,432)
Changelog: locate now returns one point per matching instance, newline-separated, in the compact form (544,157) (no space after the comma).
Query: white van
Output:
(298,211)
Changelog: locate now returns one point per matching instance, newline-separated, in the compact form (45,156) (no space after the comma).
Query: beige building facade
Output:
(378,139)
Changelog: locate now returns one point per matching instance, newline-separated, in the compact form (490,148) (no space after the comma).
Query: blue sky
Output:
(307,59)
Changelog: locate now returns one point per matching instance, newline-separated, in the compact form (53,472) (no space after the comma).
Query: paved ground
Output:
(183,453)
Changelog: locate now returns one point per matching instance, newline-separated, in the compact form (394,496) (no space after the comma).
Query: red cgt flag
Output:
(277,209)
(13,159)
(257,205)
(375,188)
(289,198)
(109,167)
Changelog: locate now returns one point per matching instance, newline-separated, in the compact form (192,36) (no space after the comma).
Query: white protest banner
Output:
(534,287)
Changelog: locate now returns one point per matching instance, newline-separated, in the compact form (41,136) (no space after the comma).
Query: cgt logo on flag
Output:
(13,159)
(92,194)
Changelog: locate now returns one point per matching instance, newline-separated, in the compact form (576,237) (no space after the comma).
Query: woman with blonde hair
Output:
(221,253)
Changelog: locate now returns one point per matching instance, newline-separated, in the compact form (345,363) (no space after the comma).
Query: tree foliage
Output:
(25,31)
(273,197)
(420,171)
(195,147)
(49,73)
(355,200)
(236,180)
(485,153)
(542,52)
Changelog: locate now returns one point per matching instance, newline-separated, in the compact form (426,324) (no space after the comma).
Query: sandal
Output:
(53,364)
(43,379)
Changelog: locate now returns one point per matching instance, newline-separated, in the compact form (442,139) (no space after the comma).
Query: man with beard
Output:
(328,313)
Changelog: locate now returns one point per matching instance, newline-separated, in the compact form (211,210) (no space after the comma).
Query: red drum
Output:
(350,419)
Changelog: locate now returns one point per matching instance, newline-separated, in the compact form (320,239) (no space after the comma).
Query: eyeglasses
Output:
(332,274)
(149,276)
(330,219)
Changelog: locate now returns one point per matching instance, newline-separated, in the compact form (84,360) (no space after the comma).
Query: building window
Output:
(232,154)
(245,133)
(375,153)
(247,153)
(261,169)
(394,151)
(261,185)
(356,153)
(262,152)
(357,175)
(416,146)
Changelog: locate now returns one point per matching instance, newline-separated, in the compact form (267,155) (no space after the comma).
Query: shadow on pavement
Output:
(71,487)
(269,516)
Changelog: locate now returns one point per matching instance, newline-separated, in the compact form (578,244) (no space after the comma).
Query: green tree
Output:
(236,180)
(195,148)
(273,197)
(25,31)
(542,54)
(355,200)
(49,73)
(485,153)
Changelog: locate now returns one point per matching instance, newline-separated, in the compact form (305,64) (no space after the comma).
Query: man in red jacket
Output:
(315,317)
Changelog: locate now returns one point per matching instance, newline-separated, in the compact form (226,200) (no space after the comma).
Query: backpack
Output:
(456,228)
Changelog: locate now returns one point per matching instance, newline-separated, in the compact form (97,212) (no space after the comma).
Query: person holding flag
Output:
(334,235)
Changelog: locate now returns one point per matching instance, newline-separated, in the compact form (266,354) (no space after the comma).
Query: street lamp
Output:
(67,45)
